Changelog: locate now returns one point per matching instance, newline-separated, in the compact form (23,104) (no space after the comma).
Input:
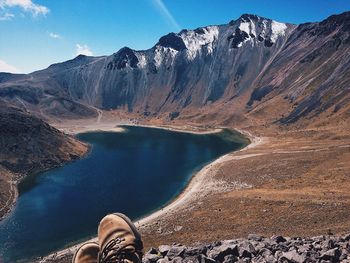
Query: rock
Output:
(175,251)
(270,259)
(292,257)
(246,250)
(266,252)
(304,248)
(332,255)
(193,259)
(176,260)
(347,237)
(330,244)
(347,247)
(164,249)
(229,259)
(152,250)
(150,258)
(177,228)
(255,237)
(258,259)
(219,253)
(205,259)
(193,251)
(343,257)
(278,239)
(163,260)
(295,250)
(283,247)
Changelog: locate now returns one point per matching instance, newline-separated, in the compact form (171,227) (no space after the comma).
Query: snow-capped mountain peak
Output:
(255,29)
(278,29)
(196,39)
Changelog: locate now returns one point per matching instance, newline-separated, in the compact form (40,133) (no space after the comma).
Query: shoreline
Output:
(117,127)
(11,202)
(196,183)
(104,127)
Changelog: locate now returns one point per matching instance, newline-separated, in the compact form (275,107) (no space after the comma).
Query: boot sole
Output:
(131,225)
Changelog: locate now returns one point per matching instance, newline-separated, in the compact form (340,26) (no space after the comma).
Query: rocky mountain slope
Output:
(29,145)
(255,248)
(251,68)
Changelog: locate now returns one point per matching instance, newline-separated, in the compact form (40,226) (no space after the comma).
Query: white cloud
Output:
(4,67)
(26,5)
(54,35)
(6,16)
(164,11)
(83,50)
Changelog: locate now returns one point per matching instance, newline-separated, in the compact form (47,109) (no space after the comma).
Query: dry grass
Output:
(300,188)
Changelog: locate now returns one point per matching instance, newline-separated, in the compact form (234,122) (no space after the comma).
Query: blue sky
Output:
(37,33)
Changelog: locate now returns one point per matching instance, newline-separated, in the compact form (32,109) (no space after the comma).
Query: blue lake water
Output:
(134,172)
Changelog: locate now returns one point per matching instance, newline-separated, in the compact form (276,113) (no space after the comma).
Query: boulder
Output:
(219,253)
(255,237)
(230,259)
(150,258)
(278,239)
(175,251)
(205,259)
(164,249)
(292,257)
(332,255)
(193,251)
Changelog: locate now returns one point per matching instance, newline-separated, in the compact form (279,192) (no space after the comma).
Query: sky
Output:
(37,33)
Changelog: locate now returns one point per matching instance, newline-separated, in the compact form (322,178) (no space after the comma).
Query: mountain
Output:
(251,68)
(29,145)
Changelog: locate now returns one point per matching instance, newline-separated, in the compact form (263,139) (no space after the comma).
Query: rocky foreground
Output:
(257,249)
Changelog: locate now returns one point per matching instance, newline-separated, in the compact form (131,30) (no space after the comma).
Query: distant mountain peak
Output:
(80,56)
(256,29)
(173,41)
(252,60)
(249,17)
(123,58)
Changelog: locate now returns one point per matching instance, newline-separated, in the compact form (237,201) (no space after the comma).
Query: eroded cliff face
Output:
(252,67)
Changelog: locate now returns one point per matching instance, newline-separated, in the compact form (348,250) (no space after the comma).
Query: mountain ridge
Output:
(236,64)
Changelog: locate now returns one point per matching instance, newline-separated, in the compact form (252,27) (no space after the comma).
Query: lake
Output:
(134,172)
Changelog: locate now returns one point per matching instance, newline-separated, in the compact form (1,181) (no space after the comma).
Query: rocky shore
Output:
(257,249)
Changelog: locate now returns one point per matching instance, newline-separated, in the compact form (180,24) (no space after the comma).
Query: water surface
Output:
(133,172)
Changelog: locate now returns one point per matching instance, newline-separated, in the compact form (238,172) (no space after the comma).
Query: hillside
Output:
(251,68)
(287,86)
(29,145)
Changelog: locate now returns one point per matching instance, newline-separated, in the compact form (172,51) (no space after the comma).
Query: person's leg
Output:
(87,253)
(118,242)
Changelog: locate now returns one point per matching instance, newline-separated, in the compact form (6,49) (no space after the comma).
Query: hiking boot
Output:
(87,253)
(119,240)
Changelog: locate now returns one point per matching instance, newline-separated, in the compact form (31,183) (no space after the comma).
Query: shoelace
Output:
(113,252)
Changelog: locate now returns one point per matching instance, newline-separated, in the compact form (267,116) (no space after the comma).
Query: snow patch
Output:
(194,41)
(278,29)
(162,54)
(264,22)
(142,60)
(245,27)
(250,29)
